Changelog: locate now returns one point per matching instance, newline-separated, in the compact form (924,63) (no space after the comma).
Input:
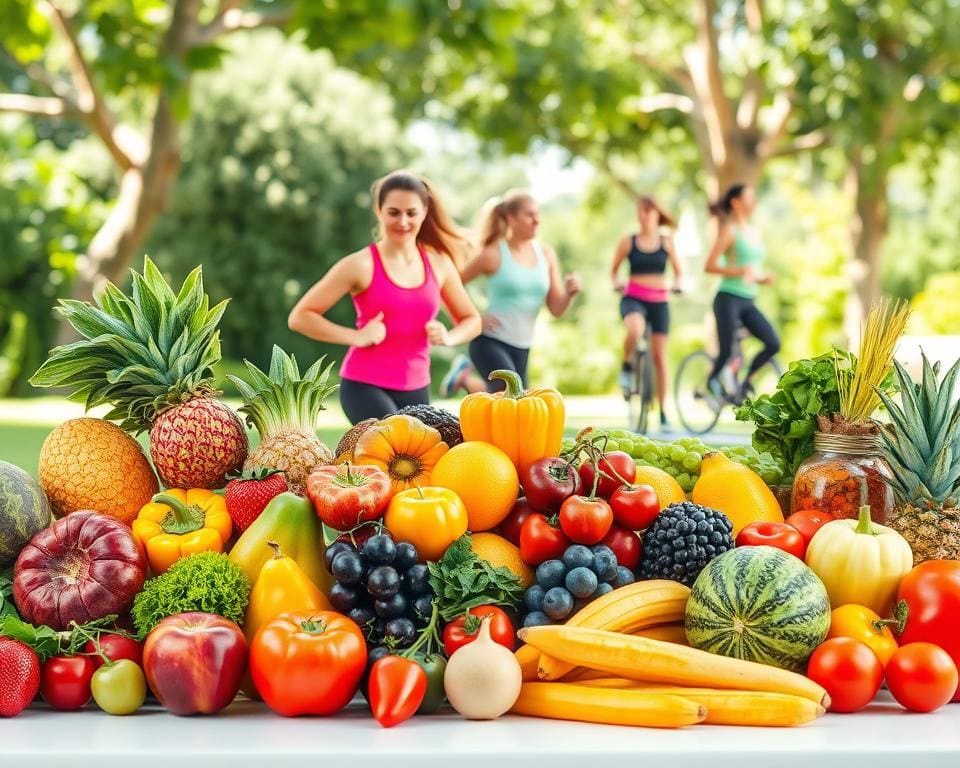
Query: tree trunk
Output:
(868,230)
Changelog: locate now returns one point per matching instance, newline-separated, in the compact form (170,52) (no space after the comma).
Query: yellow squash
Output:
(526,425)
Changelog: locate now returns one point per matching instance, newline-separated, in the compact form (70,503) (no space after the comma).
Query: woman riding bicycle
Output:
(645,293)
(738,255)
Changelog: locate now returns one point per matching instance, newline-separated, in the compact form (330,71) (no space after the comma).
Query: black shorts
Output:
(657,313)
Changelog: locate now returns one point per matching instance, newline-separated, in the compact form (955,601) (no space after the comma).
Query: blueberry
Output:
(391,608)
(602,588)
(406,556)
(383,582)
(557,603)
(624,576)
(536,619)
(380,549)
(602,548)
(335,549)
(582,582)
(604,565)
(416,581)
(533,598)
(550,573)
(347,568)
(577,556)
(342,597)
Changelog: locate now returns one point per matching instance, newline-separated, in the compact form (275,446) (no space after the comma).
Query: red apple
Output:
(194,662)
(83,567)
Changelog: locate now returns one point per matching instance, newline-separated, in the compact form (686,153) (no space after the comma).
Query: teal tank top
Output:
(515,294)
(745,253)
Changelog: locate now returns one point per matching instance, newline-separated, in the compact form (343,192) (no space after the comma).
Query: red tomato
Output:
(541,539)
(634,506)
(931,593)
(397,687)
(809,521)
(921,676)
(116,647)
(849,670)
(345,495)
(585,520)
(626,545)
(308,663)
(513,522)
(616,468)
(65,681)
(463,629)
(547,482)
(779,535)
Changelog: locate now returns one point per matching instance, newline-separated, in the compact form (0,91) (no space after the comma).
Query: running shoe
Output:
(715,395)
(455,377)
(626,379)
(665,426)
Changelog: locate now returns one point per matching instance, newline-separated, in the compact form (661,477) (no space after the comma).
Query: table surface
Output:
(247,732)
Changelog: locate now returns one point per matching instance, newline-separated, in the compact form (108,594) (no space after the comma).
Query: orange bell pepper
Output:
(178,522)
(863,624)
(526,425)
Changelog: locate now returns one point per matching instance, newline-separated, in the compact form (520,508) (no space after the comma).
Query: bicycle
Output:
(640,393)
(698,409)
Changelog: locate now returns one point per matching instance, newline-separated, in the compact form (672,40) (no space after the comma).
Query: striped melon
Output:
(23,511)
(758,604)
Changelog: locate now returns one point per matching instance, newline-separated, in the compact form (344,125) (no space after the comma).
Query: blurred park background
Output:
(244,137)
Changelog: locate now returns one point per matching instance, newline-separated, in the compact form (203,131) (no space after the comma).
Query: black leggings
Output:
(489,354)
(363,401)
(732,312)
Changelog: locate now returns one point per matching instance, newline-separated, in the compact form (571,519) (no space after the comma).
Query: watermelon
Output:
(758,604)
(23,511)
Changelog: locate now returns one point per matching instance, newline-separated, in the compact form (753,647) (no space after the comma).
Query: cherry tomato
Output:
(548,481)
(921,676)
(65,681)
(626,545)
(634,506)
(463,629)
(779,535)
(116,647)
(541,539)
(585,520)
(809,521)
(616,468)
(513,522)
(849,670)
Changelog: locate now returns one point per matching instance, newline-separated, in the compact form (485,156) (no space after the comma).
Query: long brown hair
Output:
(438,231)
(666,220)
(494,225)
(724,206)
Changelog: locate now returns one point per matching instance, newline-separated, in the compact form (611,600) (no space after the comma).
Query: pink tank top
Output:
(402,360)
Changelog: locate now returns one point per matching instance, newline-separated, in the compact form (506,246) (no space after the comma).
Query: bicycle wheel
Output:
(696,411)
(643,387)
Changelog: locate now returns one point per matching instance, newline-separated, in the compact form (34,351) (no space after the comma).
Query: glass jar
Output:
(844,472)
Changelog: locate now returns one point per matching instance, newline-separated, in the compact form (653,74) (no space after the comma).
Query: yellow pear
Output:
(737,491)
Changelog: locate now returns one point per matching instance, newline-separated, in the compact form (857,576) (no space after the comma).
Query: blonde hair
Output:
(495,213)
(438,231)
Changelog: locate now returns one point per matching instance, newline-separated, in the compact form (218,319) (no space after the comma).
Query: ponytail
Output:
(724,206)
(495,212)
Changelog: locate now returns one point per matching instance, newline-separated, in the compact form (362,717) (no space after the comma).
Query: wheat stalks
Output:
(880,333)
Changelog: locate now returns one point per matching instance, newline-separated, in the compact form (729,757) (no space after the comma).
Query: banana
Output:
(627,609)
(673,632)
(562,701)
(528,657)
(640,658)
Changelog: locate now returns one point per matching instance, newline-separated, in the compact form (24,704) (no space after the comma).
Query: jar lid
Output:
(868,445)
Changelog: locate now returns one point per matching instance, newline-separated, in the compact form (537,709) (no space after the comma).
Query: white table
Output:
(248,735)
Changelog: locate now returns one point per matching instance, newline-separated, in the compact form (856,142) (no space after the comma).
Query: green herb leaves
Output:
(461,581)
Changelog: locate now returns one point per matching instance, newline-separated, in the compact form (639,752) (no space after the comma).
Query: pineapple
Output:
(283,407)
(150,356)
(922,447)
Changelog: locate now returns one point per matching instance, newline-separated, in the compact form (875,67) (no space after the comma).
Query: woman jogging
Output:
(523,275)
(645,292)
(738,255)
(398,284)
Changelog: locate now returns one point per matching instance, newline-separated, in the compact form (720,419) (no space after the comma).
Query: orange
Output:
(668,490)
(483,477)
(501,553)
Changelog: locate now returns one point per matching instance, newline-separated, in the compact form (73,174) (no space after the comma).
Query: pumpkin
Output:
(403,447)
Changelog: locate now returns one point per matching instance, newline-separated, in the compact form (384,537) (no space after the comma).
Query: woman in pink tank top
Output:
(398,285)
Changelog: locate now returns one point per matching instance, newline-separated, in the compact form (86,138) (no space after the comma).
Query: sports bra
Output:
(647,262)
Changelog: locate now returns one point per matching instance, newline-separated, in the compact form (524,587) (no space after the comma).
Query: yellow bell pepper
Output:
(860,562)
(429,518)
(178,522)
(526,425)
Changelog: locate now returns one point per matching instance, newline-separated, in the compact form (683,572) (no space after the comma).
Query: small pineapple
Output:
(283,407)
(922,447)
(150,355)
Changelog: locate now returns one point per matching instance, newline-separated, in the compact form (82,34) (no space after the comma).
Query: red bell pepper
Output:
(779,535)
(396,689)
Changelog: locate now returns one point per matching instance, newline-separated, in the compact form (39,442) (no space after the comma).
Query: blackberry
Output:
(682,539)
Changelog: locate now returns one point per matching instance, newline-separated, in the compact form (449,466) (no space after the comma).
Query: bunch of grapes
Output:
(564,586)
(381,587)
(681,458)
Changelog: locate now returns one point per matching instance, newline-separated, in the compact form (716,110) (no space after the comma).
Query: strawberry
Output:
(248,494)
(19,676)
